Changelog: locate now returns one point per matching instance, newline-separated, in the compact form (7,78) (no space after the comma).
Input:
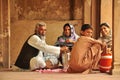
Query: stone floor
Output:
(8,75)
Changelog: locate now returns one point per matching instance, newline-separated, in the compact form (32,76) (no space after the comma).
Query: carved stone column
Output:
(1,46)
(5,32)
(116,30)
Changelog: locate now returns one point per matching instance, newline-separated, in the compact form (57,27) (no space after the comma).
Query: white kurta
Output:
(40,44)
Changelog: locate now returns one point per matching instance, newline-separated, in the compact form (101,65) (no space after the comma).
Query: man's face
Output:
(42,30)
(87,32)
(105,30)
(67,31)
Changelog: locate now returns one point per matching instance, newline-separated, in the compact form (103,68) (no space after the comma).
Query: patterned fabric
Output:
(61,39)
(107,40)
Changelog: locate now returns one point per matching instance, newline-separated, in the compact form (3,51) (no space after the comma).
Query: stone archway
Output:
(5,28)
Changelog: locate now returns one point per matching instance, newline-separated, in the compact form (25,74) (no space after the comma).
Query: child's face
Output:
(87,32)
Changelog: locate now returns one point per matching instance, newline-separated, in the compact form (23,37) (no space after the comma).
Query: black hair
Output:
(86,26)
(104,24)
(67,24)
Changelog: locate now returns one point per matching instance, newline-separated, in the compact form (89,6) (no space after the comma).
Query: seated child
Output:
(85,53)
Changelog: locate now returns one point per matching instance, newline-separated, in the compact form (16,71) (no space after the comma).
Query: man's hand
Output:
(63,50)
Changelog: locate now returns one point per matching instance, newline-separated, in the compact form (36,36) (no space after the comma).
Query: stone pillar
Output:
(92,14)
(5,31)
(1,30)
(95,17)
(87,11)
(116,41)
(106,11)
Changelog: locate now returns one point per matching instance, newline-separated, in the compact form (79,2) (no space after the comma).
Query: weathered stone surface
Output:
(46,9)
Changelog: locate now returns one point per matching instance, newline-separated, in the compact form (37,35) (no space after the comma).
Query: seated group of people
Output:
(85,52)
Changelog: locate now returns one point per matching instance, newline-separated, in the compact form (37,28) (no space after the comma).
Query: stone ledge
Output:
(116,69)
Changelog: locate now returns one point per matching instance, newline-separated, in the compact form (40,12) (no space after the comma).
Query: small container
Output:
(65,59)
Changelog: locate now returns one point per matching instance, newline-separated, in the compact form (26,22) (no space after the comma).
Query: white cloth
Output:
(40,44)
(39,60)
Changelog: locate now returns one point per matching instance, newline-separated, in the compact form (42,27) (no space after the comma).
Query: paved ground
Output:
(56,76)
(7,74)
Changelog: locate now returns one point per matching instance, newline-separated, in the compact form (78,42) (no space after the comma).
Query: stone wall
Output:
(46,9)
